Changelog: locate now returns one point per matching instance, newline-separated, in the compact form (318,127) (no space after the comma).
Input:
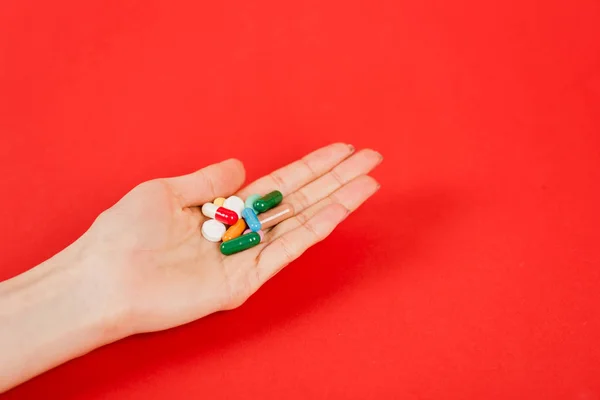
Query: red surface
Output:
(488,113)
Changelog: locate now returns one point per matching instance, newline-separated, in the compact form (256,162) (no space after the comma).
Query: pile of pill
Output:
(246,220)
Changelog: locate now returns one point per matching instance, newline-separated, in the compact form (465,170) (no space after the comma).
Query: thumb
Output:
(216,180)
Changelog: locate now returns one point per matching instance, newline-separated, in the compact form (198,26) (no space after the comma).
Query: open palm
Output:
(164,271)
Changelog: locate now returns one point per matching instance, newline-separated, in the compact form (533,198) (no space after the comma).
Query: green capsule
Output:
(240,243)
(268,201)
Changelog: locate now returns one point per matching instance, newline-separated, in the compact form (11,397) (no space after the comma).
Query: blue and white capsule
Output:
(251,219)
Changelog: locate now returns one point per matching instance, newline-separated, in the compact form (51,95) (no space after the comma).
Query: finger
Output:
(350,196)
(290,246)
(297,174)
(359,164)
(202,186)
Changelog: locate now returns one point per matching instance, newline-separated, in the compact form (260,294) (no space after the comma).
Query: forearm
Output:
(51,314)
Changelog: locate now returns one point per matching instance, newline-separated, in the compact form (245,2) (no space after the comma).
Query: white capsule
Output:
(209,210)
(236,204)
(213,230)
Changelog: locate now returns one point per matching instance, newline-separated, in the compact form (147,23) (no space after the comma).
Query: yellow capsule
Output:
(219,201)
(234,230)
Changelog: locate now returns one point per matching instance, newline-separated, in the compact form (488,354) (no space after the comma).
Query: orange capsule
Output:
(234,230)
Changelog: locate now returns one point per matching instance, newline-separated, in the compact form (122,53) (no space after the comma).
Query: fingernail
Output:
(352,149)
(380,156)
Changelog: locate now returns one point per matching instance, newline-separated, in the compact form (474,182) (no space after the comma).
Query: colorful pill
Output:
(219,201)
(234,230)
(236,204)
(261,233)
(221,214)
(212,230)
(250,201)
(268,201)
(276,215)
(241,243)
(251,219)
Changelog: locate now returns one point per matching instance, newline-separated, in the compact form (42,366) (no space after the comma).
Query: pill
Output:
(276,215)
(251,219)
(219,201)
(213,230)
(261,233)
(236,204)
(221,214)
(240,243)
(234,230)
(250,201)
(268,201)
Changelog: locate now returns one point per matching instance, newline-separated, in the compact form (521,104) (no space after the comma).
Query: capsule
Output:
(235,230)
(276,215)
(241,243)
(268,201)
(219,201)
(250,201)
(221,214)
(251,219)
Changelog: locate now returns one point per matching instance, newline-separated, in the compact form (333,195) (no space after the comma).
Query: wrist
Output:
(57,311)
(87,277)
(90,294)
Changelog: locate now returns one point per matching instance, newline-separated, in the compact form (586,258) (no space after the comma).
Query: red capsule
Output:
(226,216)
(221,214)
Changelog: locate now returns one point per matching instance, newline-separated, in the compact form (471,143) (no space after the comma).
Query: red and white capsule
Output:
(221,214)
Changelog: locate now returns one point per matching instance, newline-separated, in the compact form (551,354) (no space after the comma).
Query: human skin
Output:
(143,265)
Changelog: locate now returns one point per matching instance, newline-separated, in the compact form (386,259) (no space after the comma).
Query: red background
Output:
(488,113)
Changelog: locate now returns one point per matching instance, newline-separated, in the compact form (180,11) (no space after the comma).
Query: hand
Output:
(144,265)
(158,267)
